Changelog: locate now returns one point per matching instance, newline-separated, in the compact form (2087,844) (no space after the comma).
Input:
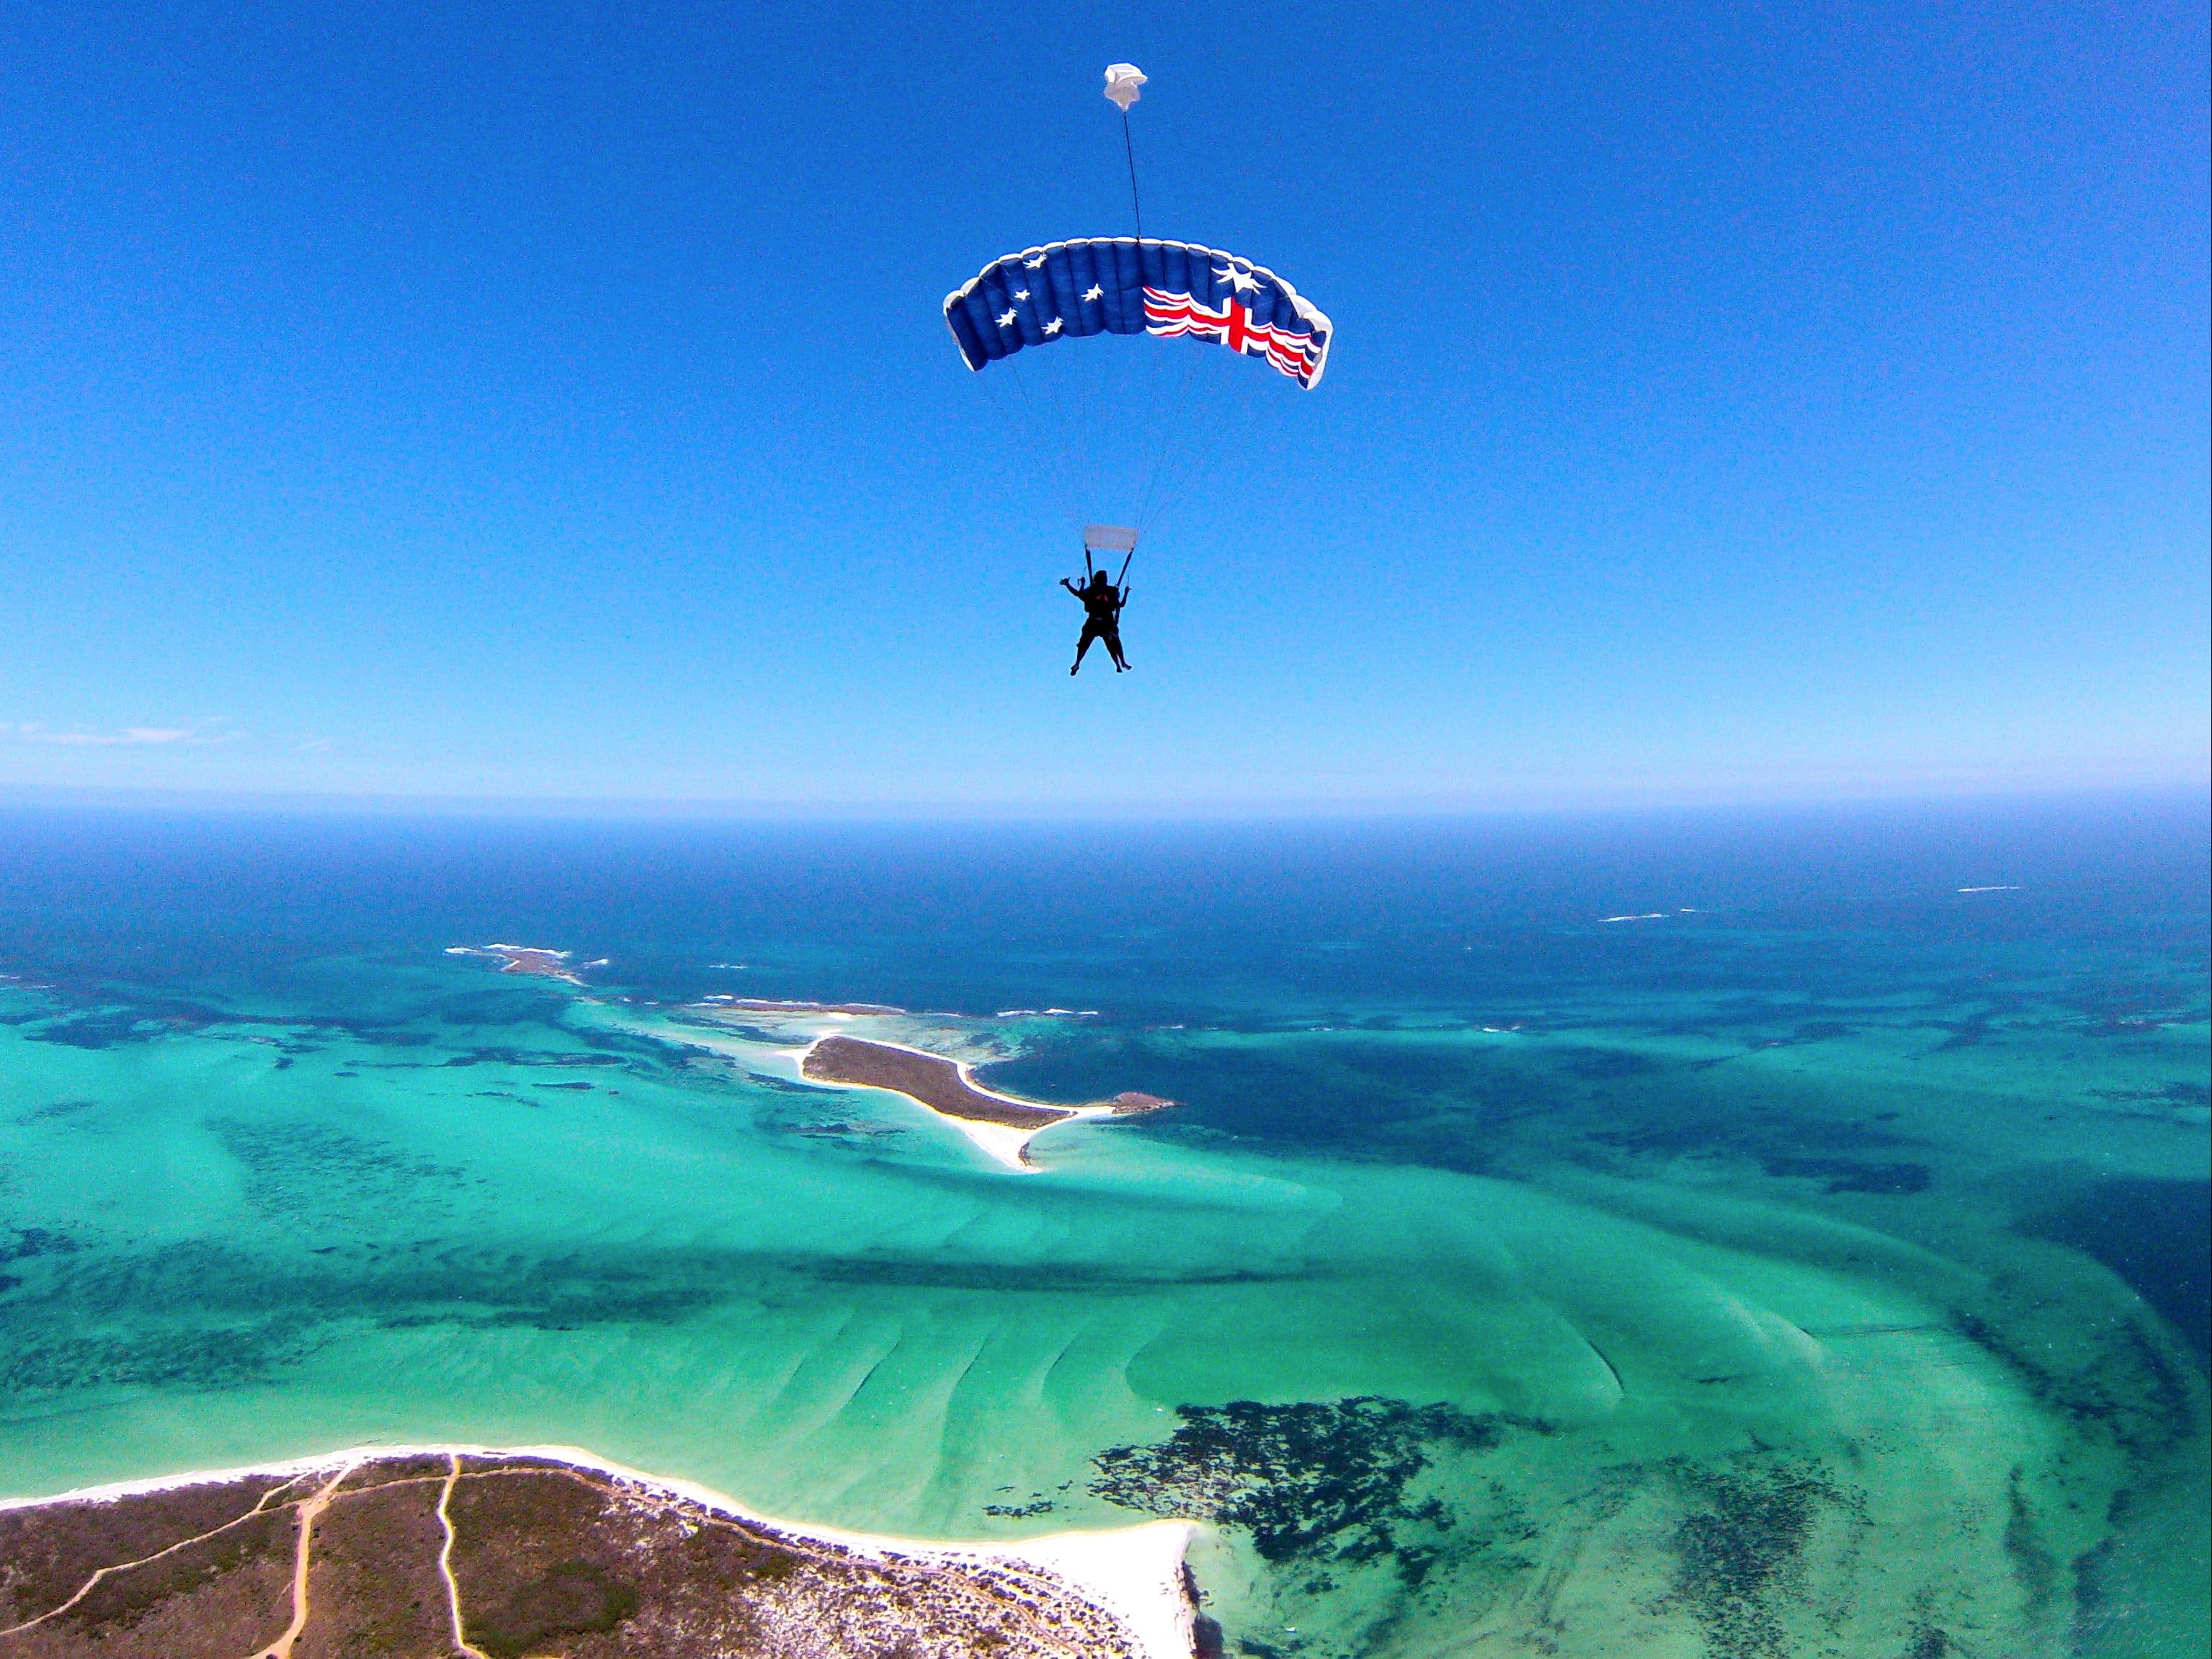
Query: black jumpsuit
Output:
(1102,620)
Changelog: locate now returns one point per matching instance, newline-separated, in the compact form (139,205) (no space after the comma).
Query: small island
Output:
(537,959)
(1002,1125)
(493,1555)
(789,1006)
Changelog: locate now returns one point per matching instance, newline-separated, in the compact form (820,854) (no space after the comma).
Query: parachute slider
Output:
(1122,81)
(1109,538)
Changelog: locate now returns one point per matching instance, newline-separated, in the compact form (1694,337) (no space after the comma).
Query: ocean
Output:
(1730,1233)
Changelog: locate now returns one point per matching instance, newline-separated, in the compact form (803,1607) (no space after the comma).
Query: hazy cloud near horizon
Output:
(130,734)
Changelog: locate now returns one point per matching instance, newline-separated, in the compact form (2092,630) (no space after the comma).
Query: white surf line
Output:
(2009,887)
(1004,1143)
(446,1556)
(1134,1573)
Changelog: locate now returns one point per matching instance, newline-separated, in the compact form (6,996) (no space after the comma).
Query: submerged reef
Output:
(1325,1482)
(1741,1550)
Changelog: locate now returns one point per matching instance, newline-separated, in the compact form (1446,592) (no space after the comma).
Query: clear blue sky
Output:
(527,400)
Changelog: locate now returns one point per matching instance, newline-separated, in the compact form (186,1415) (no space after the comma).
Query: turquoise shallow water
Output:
(1814,1265)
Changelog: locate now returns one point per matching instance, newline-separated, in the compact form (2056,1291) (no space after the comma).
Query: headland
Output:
(499,1554)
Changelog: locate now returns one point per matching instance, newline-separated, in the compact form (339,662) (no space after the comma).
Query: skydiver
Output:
(1102,606)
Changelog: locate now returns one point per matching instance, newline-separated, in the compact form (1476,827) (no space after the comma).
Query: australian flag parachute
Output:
(1127,285)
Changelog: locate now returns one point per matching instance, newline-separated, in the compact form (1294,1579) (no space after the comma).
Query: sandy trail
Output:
(260,1507)
(446,1556)
(281,1647)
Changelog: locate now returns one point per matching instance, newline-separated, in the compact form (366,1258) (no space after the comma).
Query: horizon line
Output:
(628,808)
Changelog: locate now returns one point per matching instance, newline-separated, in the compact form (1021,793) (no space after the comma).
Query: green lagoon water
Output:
(1812,1266)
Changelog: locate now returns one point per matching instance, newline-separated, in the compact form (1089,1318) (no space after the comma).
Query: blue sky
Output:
(524,401)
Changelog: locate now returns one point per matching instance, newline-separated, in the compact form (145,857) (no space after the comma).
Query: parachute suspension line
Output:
(1047,417)
(1129,149)
(1040,391)
(1169,458)
(1068,406)
(1182,472)
(1046,463)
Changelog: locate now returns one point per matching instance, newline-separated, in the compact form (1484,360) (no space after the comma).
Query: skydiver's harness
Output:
(1099,615)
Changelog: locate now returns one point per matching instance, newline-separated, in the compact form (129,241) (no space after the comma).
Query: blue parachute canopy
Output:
(1122,285)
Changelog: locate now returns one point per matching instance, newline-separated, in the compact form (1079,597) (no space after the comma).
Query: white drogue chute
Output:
(1122,81)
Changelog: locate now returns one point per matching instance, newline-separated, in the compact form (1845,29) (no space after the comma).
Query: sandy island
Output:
(529,959)
(785,1006)
(498,1553)
(1002,1125)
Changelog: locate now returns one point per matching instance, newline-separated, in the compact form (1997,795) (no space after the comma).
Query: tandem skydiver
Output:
(1102,620)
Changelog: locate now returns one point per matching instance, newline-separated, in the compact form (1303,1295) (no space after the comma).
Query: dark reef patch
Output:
(57,1109)
(301,1172)
(2033,1564)
(31,1241)
(1740,1552)
(114,1028)
(207,1315)
(500,1056)
(1317,1482)
(1830,1150)
(1064,1278)
(2155,1235)
(1606,1065)
(1442,1107)
(1843,1175)
(149,1354)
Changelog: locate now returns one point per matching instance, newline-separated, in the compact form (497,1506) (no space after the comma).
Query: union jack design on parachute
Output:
(1291,350)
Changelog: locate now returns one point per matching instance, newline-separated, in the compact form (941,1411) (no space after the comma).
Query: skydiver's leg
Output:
(1114,650)
(1083,646)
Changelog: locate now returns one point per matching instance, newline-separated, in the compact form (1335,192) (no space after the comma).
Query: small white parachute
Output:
(1122,81)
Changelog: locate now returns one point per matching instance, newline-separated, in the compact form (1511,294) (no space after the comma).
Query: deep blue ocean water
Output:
(1726,1227)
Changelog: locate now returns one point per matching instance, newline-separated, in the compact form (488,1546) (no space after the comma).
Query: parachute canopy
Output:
(1122,81)
(1109,538)
(1128,285)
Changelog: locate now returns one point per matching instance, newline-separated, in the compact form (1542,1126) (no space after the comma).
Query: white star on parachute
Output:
(1242,281)
(1034,264)
(1053,328)
(1095,292)
(1021,293)
(1006,321)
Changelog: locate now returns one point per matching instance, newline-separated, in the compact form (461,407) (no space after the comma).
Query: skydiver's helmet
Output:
(1098,579)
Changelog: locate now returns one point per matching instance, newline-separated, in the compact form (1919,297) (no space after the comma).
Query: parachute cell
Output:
(1128,285)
